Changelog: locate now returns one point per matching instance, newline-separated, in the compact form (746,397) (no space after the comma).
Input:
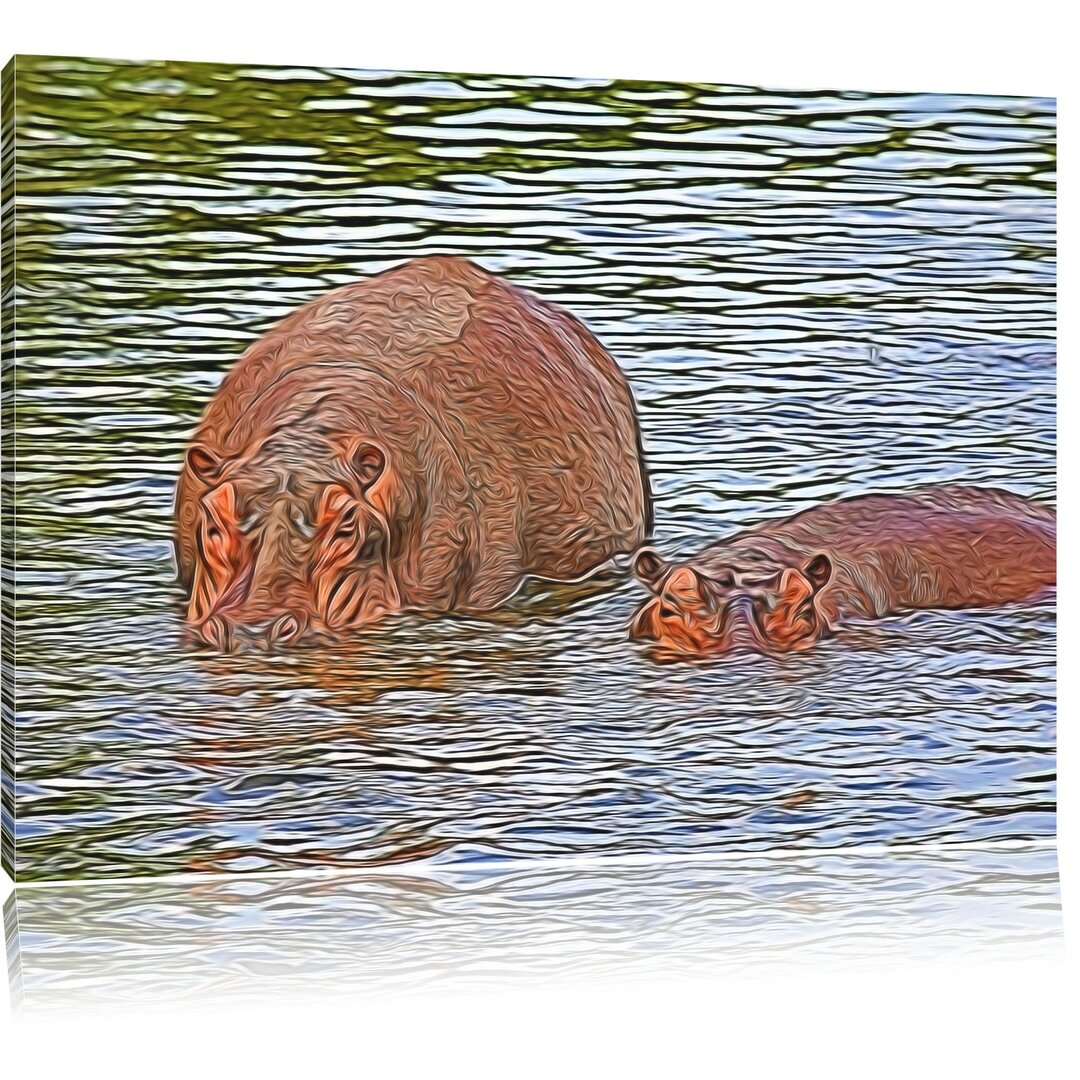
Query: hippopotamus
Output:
(784,585)
(421,440)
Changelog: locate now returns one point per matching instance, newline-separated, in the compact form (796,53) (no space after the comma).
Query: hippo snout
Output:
(229,634)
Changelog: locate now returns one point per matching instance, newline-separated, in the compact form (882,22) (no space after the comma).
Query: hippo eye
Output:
(764,601)
(370,548)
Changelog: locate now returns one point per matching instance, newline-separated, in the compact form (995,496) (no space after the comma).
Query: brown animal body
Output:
(785,584)
(420,440)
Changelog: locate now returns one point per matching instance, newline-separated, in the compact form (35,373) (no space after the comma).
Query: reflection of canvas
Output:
(452,468)
(116,946)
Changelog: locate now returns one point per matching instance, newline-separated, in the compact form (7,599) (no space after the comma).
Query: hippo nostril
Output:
(286,629)
(217,632)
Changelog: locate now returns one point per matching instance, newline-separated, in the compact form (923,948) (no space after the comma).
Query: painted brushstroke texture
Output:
(814,295)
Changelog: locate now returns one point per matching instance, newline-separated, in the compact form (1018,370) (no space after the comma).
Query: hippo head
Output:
(766,609)
(291,539)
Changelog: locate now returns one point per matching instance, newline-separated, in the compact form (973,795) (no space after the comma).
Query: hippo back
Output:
(935,547)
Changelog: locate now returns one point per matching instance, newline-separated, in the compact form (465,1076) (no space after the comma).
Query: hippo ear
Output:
(649,567)
(799,585)
(205,465)
(366,462)
(818,571)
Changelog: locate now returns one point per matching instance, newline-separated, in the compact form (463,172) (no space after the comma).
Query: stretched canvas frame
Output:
(812,296)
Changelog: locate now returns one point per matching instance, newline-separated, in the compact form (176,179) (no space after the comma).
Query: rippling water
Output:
(813,295)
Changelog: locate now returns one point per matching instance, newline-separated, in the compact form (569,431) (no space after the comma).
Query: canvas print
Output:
(455,469)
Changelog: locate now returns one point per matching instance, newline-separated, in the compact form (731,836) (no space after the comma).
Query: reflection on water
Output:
(162,944)
(812,294)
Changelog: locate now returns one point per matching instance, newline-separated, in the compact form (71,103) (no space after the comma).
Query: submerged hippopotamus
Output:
(420,440)
(785,584)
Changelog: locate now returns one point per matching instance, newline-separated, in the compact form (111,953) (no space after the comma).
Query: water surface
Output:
(813,295)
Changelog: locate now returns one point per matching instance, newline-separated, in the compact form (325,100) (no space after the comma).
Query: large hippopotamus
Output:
(786,584)
(420,440)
